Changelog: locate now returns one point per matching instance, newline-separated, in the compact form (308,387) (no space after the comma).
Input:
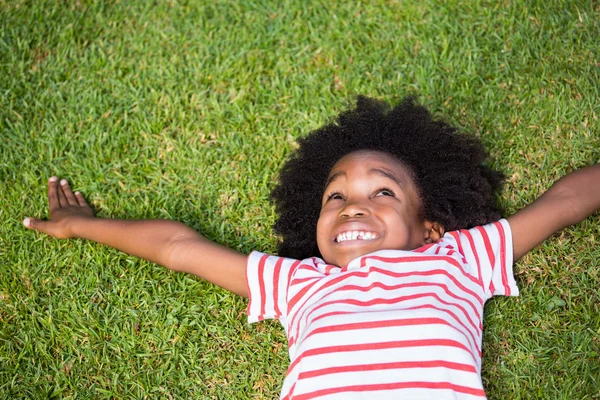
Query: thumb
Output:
(48,227)
(35,224)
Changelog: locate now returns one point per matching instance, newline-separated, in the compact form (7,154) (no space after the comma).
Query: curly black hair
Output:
(456,189)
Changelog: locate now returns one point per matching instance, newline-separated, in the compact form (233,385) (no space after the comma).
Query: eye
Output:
(385,192)
(335,196)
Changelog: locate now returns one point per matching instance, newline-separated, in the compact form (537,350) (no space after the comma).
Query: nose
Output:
(354,209)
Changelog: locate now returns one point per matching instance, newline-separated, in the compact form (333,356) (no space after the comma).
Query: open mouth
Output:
(355,235)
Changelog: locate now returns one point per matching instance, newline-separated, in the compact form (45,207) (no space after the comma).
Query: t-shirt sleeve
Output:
(268,279)
(488,248)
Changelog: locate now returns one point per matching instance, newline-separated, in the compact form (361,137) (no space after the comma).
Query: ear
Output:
(434,232)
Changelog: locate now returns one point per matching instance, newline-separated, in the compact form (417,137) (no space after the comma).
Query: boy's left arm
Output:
(570,200)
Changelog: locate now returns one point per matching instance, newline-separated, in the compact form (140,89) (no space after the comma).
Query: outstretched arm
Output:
(570,200)
(168,243)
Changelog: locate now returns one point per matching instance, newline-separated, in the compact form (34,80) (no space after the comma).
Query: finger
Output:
(68,192)
(34,224)
(81,200)
(53,201)
(46,227)
(61,195)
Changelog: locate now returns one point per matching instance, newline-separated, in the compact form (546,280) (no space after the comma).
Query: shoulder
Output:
(488,242)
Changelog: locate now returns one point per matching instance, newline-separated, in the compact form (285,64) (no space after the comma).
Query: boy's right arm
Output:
(168,243)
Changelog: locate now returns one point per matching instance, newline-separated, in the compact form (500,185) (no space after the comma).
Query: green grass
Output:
(187,110)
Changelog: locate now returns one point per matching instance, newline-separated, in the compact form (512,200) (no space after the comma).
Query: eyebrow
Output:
(386,174)
(334,177)
(372,171)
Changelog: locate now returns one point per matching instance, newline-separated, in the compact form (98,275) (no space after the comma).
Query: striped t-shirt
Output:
(390,324)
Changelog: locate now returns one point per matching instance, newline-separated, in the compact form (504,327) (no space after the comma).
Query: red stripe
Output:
(475,254)
(411,321)
(422,258)
(276,274)
(378,346)
(249,306)
(310,268)
(363,273)
(490,253)
(387,366)
(329,268)
(423,249)
(298,296)
(397,322)
(395,300)
(298,281)
(392,386)
(289,280)
(290,393)
(400,298)
(503,257)
(456,237)
(291,273)
(261,283)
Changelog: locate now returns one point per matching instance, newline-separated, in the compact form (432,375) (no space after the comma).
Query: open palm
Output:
(65,208)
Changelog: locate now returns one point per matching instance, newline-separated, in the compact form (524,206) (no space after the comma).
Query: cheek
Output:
(399,227)
(398,234)
(321,231)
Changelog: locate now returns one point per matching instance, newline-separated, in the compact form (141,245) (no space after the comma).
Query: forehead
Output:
(371,159)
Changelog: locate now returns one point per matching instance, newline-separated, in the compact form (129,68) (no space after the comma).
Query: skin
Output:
(178,247)
(371,192)
(168,243)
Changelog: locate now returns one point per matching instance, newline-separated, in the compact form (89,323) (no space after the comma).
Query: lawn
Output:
(187,109)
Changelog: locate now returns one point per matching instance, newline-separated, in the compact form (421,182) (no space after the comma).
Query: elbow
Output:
(578,194)
(573,209)
(176,252)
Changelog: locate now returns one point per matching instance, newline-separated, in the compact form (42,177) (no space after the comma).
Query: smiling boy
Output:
(392,242)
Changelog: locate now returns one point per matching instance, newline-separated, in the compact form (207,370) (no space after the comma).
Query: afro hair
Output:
(456,189)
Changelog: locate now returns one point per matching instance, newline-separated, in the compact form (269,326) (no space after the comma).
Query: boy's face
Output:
(370,203)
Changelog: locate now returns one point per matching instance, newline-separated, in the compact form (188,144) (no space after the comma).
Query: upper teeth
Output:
(356,235)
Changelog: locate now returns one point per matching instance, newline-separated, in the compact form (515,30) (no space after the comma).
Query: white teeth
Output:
(356,235)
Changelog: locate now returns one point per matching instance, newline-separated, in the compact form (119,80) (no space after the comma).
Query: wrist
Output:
(79,227)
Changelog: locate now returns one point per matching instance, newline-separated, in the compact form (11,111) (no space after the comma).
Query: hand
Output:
(66,208)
